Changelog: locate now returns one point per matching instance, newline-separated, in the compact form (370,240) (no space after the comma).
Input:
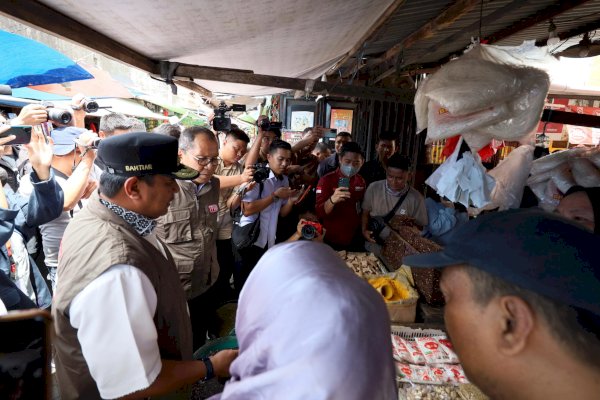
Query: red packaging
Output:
(415,354)
(439,374)
(405,372)
(455,373)
(401,352)
(432,350)
(448,349)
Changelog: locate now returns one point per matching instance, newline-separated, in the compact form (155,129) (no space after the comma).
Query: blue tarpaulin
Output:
(25,62)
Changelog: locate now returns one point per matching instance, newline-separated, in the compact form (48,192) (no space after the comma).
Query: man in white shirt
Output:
(121,320)
(268,201)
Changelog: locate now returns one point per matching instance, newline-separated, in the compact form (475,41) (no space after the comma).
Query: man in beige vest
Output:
(121,320)
(189,228)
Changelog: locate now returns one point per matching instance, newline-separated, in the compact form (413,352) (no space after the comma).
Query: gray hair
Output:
(168,130)
(186,140)
(111,122)
(137,125)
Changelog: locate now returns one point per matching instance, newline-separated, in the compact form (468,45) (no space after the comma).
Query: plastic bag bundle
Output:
(552,176)
(463,181)
(510,175)
(481,100)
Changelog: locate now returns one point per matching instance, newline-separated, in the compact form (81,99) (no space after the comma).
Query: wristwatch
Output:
(275,197)
(210,371)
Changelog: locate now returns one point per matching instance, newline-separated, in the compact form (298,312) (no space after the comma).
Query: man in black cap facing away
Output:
(522,291)
(121,320)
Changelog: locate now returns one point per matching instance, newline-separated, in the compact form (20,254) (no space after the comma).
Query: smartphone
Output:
(344,182)
(22,133)
(25,355)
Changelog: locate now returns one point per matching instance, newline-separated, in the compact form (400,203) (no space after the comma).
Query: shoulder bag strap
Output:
(392,212)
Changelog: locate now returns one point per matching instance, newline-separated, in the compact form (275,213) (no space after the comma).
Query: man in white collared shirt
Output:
(275,199)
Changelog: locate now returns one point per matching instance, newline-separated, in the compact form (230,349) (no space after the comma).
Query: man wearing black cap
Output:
(522,291)
(120,314)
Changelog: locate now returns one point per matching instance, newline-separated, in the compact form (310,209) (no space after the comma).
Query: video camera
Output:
(90,106)
(267,125)
(222,121)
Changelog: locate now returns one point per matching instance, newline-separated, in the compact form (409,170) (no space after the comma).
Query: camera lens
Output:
(90,106)
(308,232)
(59,116)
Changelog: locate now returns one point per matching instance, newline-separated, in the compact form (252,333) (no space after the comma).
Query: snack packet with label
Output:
(432,350)
(415,354)
(401,352)
(448,349)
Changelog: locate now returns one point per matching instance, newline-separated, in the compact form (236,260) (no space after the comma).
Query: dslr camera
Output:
(267,125)
(222,121)
(57,115)
(310,230)
(261,172)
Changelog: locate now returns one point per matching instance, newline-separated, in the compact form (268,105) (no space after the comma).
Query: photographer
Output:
(72,163)
(339,195)
(266,202)
(231,175)
(308,228)
(20,217)
(266,135)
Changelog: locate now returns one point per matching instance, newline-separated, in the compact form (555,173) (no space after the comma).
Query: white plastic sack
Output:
(443,124)
(563,178)
(466,86)
(585,172)
(553,160)
(510,176)
(463,181)
(547,194)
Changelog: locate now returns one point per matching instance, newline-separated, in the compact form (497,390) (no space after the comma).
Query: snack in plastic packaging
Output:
(448,349)
(401,352)
(432,350)
(415,354)
(391,289)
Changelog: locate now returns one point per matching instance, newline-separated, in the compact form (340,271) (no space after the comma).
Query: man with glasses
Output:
(383,196)
(189,229)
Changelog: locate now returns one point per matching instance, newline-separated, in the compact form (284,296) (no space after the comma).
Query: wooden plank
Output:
(383,18)
(194,87)
(443,20)
(569,118)
(42,17)
(234,76)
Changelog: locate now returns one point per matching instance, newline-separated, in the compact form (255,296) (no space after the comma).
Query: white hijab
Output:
(309,328)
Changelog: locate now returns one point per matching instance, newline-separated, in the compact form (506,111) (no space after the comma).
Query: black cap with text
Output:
(142,153)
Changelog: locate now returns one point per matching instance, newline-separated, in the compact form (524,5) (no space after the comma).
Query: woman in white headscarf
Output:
(309,328)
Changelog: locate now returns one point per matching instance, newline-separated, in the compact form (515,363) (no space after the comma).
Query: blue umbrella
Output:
(25,62)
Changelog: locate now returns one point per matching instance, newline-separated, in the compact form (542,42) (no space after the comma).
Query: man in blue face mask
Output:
(339,195)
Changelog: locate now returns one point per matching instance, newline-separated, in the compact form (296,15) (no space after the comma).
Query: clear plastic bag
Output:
(563,178)
(511,175)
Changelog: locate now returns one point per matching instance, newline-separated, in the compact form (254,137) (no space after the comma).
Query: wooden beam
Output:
(40,16)
(194,87)
(383,18)
(443,20)
(569,118)
(540,16)
(246,78)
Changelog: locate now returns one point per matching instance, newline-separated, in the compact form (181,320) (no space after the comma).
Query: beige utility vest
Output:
(189,230)
(95,240)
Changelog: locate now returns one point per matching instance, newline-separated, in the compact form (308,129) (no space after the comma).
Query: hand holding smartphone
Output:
(22,134)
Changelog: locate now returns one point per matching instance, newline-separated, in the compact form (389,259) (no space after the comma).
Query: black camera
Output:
(267,125)
(222,122)
(57,115)
(261,172)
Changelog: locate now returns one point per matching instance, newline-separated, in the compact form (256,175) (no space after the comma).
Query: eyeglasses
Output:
(204,161)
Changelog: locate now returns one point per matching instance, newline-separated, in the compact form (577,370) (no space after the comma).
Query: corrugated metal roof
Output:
(497,15)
